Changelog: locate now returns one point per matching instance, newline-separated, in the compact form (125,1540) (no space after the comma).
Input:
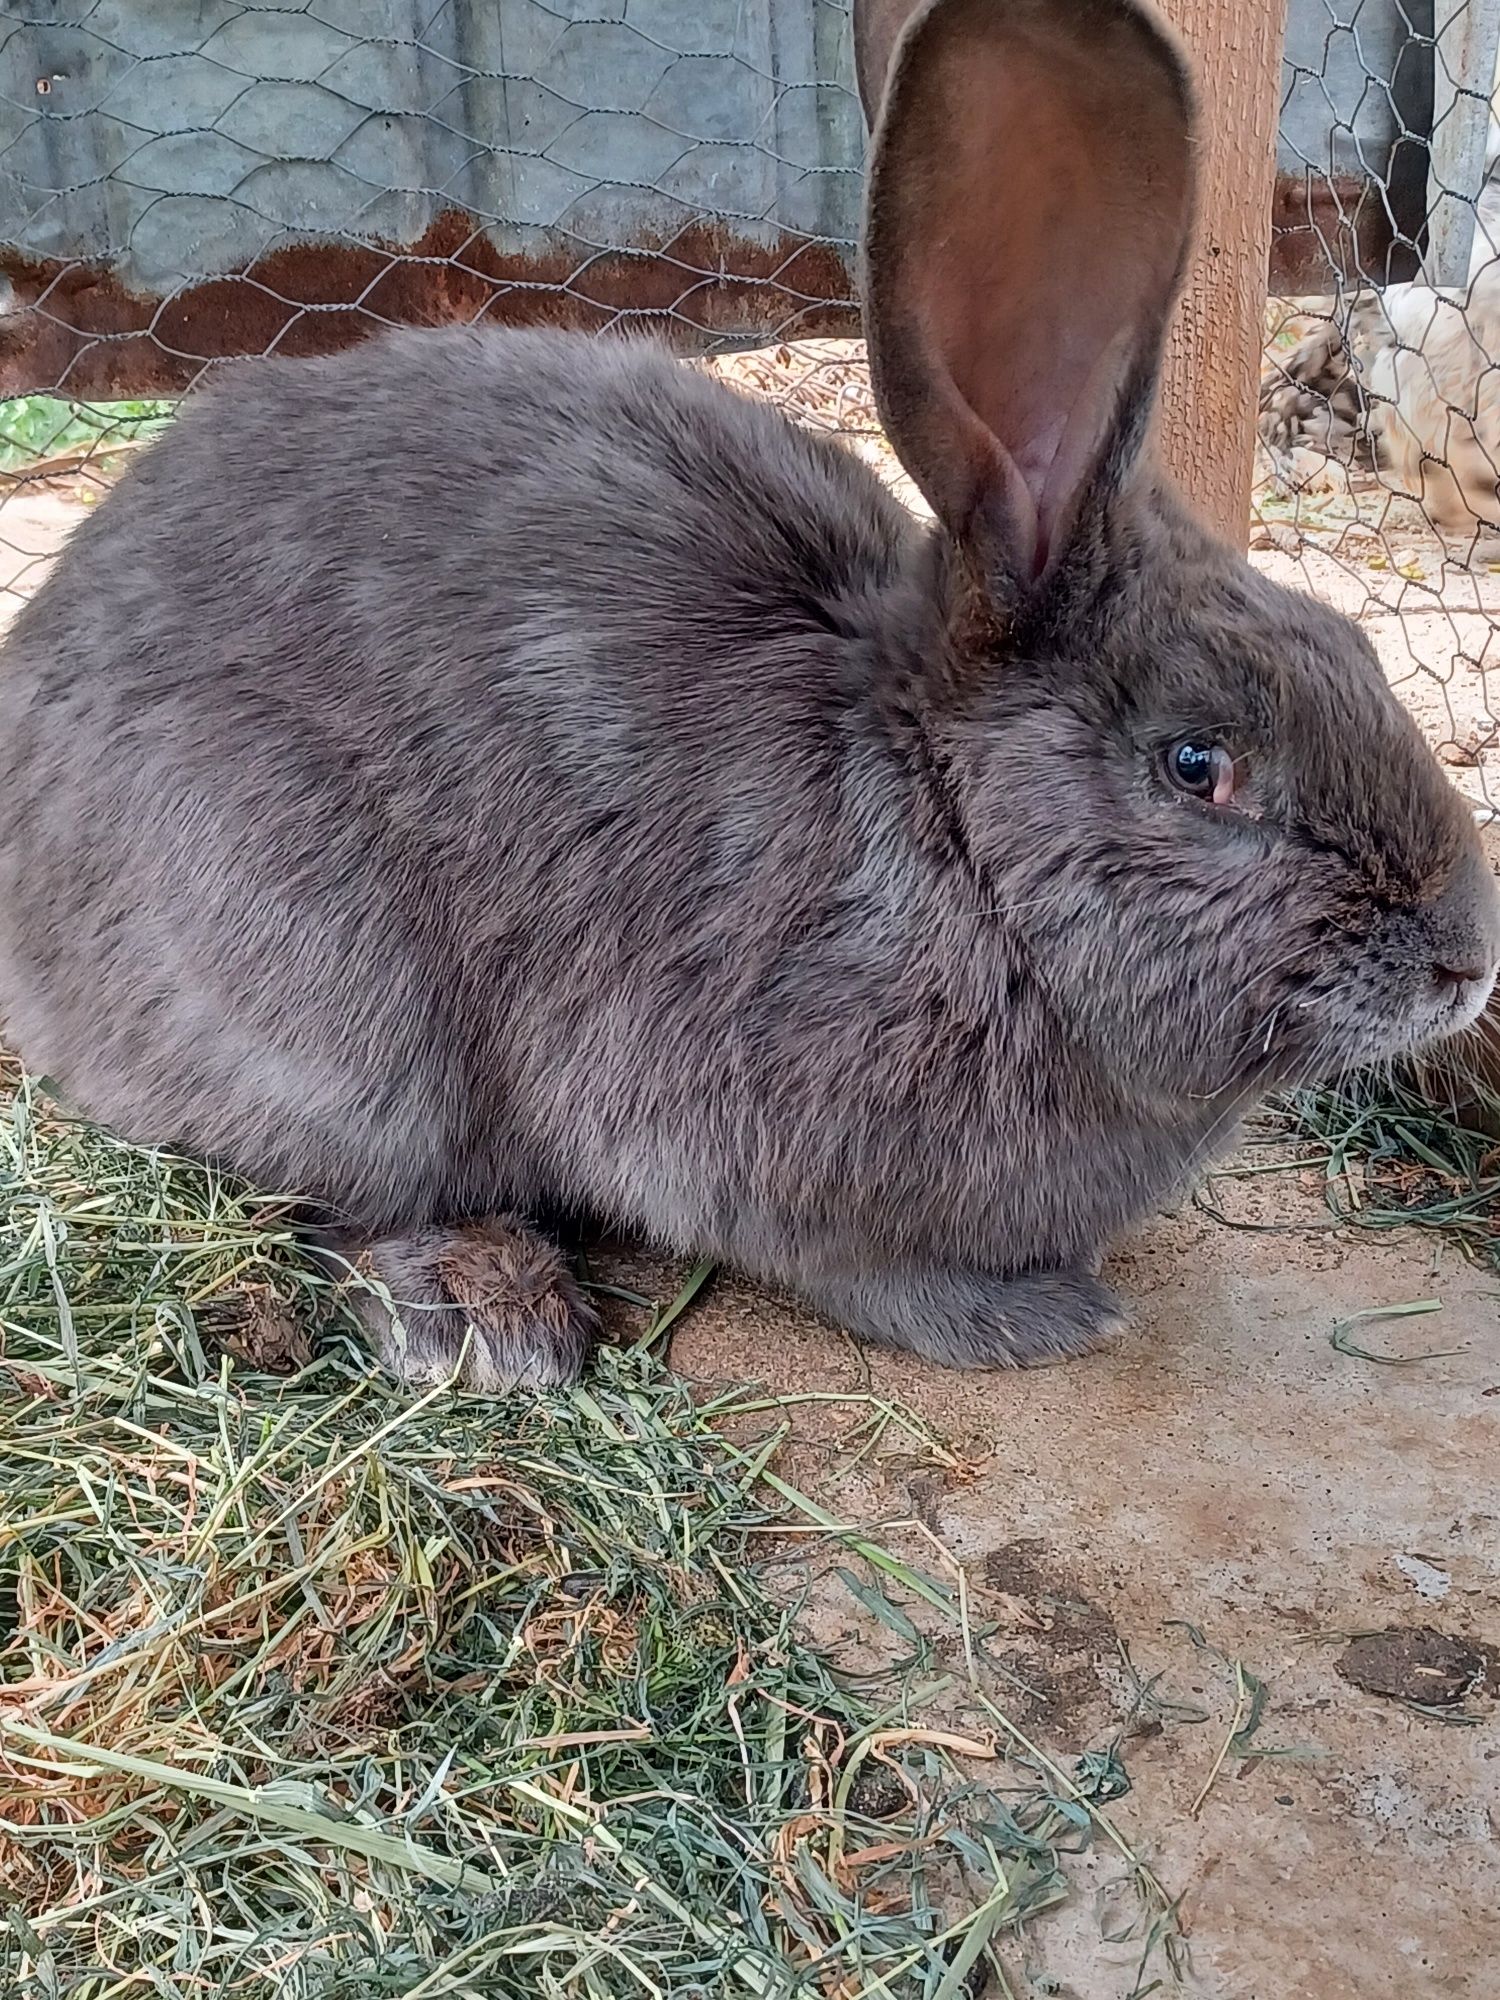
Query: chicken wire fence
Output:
(1379,422)
(187,181)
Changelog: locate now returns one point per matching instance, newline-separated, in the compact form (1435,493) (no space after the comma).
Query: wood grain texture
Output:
(1206,425)
(1463,77)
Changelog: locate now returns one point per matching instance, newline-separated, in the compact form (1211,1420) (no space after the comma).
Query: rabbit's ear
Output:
(1029,212)
(877,29)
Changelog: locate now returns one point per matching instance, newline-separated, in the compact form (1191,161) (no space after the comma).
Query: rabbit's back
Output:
(403,728)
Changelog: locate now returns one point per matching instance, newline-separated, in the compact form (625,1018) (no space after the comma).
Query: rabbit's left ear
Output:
(1029,212)
(877,29)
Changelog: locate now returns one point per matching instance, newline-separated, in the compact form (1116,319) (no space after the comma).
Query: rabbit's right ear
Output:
(1029,212)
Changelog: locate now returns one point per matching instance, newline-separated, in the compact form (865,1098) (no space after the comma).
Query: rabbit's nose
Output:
(1456,977)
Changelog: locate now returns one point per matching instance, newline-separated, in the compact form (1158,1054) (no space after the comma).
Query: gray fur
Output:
(498,771)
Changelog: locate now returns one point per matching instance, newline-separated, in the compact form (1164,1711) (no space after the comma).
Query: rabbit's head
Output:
(1192,790)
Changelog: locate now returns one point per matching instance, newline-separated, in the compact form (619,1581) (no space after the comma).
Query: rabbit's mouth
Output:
(1393,1005)
(1389,981)
(1368,1030)
(1456,1011)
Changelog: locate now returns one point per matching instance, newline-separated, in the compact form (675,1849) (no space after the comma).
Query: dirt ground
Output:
(1225,1469)
(35,521)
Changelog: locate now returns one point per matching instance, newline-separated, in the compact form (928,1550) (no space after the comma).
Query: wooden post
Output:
(1206,428)
(1463,76)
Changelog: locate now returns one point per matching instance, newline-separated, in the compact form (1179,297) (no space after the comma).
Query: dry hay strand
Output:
(313,1688)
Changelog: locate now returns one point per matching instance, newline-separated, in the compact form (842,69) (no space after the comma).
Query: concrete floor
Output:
(1226,1467)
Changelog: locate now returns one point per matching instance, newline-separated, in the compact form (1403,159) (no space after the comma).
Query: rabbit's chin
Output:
(1359,1040)
(1434,1028)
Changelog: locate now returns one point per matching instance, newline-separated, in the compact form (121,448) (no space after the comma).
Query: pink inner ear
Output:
(1030,205)
(1077,448)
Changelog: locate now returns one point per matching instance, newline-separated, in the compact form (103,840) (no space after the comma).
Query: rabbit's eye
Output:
(1202,770)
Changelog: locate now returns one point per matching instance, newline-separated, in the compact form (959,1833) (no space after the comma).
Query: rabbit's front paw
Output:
(494,1295)
(969,1319)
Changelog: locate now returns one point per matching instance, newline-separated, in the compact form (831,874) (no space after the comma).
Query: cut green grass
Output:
(312,1688)
(38,428)
(1394,1155)
(1389,1153)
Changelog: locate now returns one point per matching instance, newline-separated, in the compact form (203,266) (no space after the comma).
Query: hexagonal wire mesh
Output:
(1379,428)
(183,181)
(186,181)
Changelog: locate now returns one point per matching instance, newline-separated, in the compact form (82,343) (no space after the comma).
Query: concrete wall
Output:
(695,162)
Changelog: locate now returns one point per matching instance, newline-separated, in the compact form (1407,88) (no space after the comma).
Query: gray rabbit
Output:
(492,775)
